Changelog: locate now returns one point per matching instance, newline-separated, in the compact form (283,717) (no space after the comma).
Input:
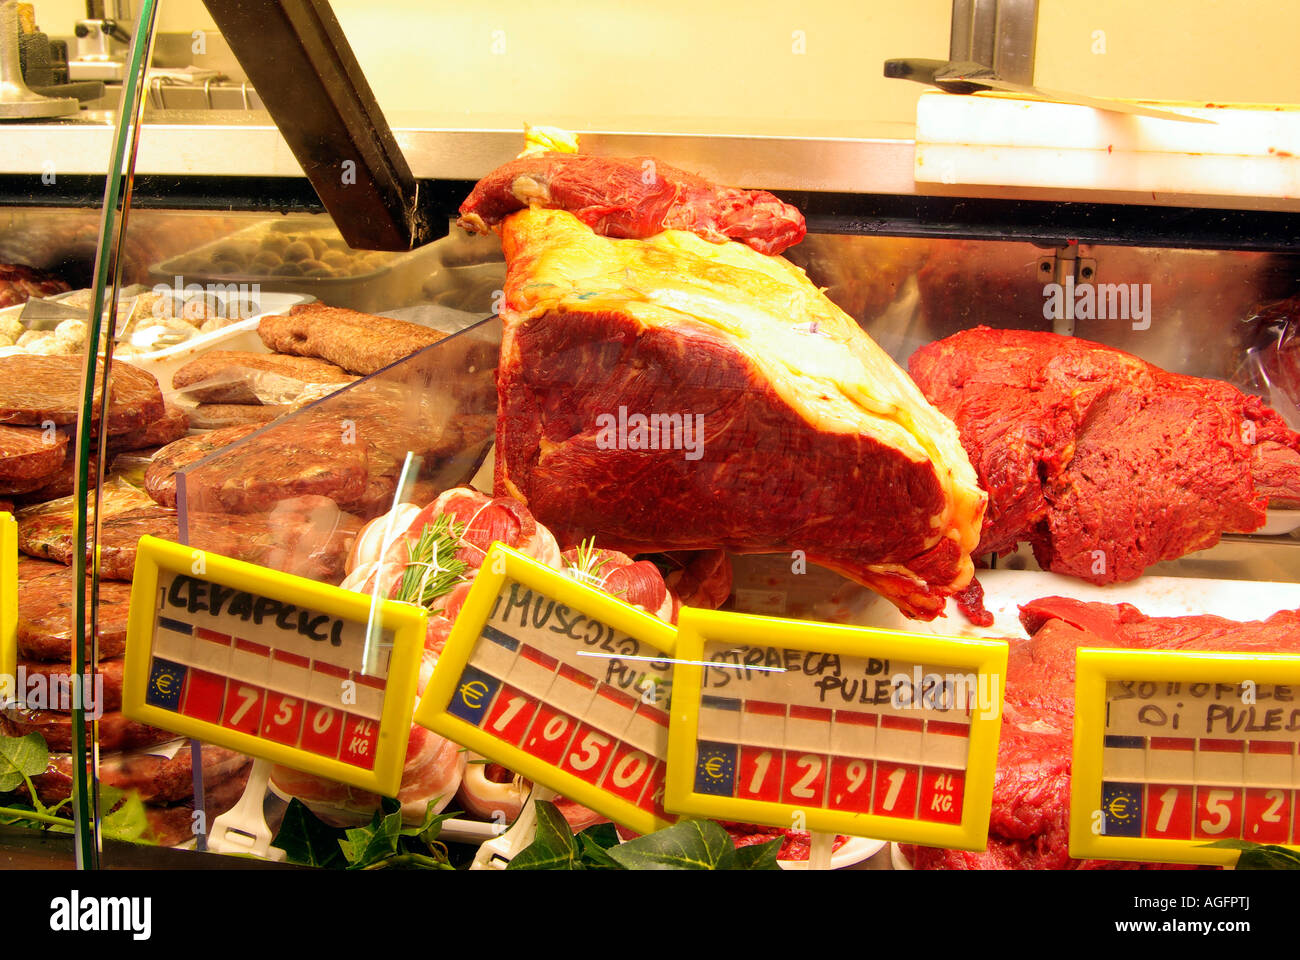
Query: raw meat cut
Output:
(160,477)
(214,416)
(45,615)
(1029,824)
(305,536)
(34,389)
(632,197)
(27,452)
(638,583)
(779,425)
(57,680)
(171,426)
(432,772)
(232,376)
(116,730)
(311,456)
(485,520)
(357,342)
(698,578)
(155,776)
(19,282)
(1104,463)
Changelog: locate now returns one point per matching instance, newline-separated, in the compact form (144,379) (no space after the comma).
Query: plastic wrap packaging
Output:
(1270,368)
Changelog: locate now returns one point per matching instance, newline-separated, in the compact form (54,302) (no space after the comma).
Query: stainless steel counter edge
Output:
(232,143)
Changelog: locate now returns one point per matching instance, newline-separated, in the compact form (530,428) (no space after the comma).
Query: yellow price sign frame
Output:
(1092,835)
(159,561)
(8,606)
(603,742)
(696,628)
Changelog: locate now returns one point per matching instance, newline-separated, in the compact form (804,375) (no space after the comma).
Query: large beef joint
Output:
(794,430)
(632,197)
(1103,462)
(1030,819)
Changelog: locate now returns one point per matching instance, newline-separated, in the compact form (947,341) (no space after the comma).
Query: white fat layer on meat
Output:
(816,357)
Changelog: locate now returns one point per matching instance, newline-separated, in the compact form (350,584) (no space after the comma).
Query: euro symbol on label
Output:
(471,692)
(713,767)
(163,683)
(1118,808)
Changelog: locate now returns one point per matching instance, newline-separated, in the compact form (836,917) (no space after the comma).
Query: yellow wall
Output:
(694,65)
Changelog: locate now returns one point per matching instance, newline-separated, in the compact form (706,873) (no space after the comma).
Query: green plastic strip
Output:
(117,191)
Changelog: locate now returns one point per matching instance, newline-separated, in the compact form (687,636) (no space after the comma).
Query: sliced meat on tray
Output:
(27,452)
(45,613)
(358,342)
(36,389)
(230,376)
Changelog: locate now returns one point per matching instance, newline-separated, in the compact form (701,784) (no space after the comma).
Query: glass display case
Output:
(316,370)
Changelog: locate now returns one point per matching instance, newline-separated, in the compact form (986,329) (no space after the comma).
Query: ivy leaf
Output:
(759,856)
(431,826)
(553,846)
(595,843)
(377,840)
(126,819)
(306,839)
(689,845)
(1259,856)
(19,757)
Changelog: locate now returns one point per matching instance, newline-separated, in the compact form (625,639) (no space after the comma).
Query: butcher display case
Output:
(1025,381)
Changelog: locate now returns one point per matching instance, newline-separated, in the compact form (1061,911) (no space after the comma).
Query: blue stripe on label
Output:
(496,636)
(720,703)
(176,626)
(1133,742)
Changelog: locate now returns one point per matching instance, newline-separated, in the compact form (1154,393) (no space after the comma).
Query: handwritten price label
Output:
(271,665)
(1176,750)
(865,732)
(562,683)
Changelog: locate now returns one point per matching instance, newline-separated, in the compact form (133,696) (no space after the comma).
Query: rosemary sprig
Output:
(431,565)
(589,566)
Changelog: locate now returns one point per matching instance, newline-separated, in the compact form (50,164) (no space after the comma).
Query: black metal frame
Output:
(300,63)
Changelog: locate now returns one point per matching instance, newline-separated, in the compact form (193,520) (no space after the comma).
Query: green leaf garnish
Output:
(383,843)
(553,846)
(689,845)
(432,569)
(125,819)
(20,758)
(306,839)
(759,856)
(1260,856)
